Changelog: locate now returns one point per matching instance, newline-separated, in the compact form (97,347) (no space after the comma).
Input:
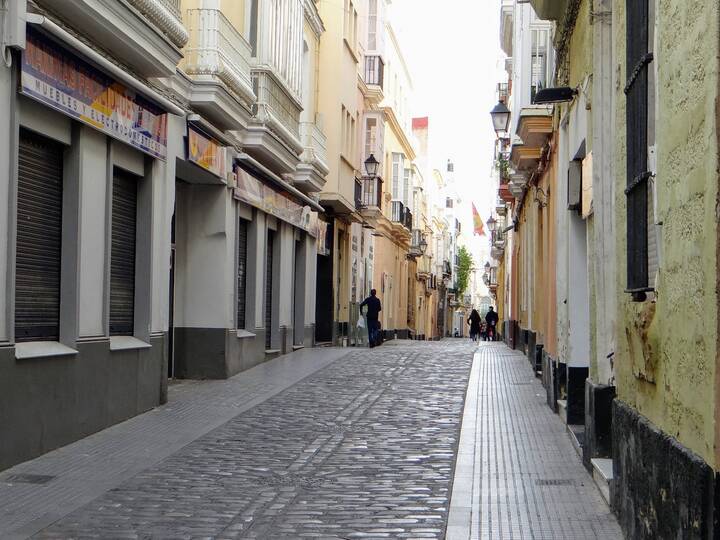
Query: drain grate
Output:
(294,480)
(554,482)
(38,479)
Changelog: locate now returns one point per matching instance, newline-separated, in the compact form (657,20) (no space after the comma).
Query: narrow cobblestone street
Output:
(356,445)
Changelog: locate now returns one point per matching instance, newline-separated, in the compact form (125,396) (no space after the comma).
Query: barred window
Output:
(639,56)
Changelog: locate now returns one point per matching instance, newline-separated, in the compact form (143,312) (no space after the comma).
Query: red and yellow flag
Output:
(479,226)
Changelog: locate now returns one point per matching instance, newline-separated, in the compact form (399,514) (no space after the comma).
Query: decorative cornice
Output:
(312,16)
(161,16)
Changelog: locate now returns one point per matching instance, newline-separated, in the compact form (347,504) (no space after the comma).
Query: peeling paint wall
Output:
(667,351)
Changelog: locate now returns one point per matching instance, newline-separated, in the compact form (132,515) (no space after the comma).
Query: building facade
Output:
(160,161)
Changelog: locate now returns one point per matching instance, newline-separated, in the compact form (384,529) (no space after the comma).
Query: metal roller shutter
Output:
(122,258)
(268,289)
(241,272)
(39,239)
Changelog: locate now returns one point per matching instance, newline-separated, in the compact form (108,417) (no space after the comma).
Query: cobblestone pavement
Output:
(363,448)
(518,476)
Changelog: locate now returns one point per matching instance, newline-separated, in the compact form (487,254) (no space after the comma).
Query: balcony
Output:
(399,213)
(274,136)
(371,193)
(447,269)
(218,54)
(550,10)
(408,219)
(374,71)
(145,35)
(374,78)
(416,239)
(358,193)
(313,169)
(166,15)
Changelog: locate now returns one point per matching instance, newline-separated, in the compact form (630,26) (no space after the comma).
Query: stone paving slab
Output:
(84,470)
(518,475)
(364,448)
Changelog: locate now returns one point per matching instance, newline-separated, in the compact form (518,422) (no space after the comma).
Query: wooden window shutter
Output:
(638,57)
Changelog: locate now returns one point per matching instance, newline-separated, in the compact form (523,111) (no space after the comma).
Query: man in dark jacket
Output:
(491,319)
(374,307)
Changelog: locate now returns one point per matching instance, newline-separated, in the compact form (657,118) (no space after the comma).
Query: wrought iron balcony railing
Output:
(374,71)
(397,212)
(218,49)
(408,219)
(371,193)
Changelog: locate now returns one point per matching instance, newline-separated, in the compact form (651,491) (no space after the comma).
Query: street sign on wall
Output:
(59,79)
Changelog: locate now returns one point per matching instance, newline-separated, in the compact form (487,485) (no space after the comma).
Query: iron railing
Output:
(371,193)
(374,71)
(397,212)
(408,219)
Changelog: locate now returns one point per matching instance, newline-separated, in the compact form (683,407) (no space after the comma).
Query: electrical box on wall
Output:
(14,23)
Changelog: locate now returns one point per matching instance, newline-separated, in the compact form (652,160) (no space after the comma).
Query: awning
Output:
(275,179)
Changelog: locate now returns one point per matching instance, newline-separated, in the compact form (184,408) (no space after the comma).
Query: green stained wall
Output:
(666,351)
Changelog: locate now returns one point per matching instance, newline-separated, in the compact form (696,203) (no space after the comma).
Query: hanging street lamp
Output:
(501,118)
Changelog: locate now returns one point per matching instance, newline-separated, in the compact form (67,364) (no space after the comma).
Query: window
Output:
(39,236)
(372,25)
(350,24)
(349,139)
(406,188)
(370,136)
(242,272)
(398,166)
(639,55)
(122,254)
(538,61)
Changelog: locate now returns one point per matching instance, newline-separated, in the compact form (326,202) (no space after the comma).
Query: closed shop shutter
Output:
(242,272)
(39,239)
(122,258)
(268,289)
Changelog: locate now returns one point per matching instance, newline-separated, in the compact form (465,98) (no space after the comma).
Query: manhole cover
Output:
(553,482)
(38,479)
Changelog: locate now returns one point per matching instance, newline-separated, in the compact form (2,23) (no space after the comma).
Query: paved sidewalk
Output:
(517,474)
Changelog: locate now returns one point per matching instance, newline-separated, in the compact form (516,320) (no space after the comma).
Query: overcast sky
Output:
(453,51)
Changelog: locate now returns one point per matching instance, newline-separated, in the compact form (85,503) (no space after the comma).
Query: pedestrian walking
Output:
(474,322)
(374,307)
(491,319)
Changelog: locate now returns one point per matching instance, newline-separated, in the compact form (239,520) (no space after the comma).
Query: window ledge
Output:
(243,334)
(42,349)
(127,343)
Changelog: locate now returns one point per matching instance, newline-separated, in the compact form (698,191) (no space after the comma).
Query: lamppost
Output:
(501,118)
(423,245)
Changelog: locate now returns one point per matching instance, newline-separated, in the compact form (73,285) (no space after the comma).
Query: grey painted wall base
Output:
(661,489)
(309,340)
(216,353)
(598,422)
(46,403)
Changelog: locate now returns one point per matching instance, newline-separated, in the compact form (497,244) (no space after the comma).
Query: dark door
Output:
(171,324)
(269,288)
(39,239)
(122,258)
